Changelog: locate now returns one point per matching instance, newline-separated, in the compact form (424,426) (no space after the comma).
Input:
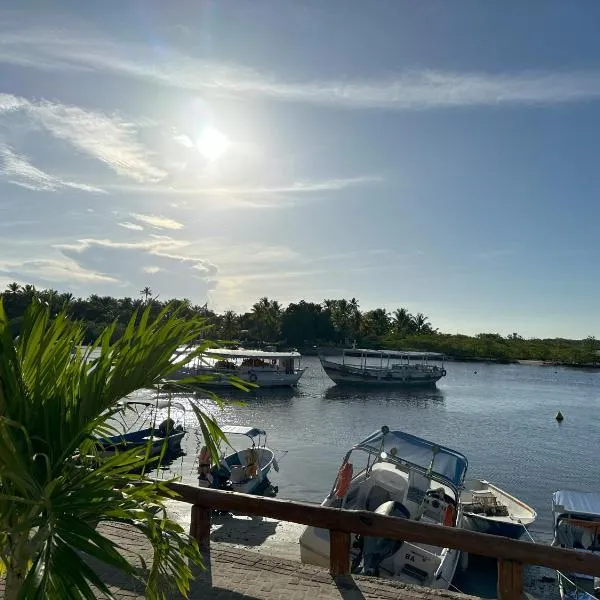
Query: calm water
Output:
(500,416)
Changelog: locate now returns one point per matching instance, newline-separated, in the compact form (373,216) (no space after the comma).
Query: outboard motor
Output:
(377,549)
(166,427)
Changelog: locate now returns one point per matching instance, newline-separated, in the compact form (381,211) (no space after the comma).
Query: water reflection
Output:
(414,396)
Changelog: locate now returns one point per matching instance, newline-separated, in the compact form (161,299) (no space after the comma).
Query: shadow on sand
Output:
(246,531)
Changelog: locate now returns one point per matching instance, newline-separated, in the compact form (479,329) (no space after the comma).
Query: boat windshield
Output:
(435,461)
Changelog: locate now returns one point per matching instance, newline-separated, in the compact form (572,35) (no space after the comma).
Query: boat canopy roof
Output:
(573,502)
(241,353)
(432,459)
(243,430)
(391,353)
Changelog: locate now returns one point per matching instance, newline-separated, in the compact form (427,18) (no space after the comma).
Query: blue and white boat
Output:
(488,509)
(167,435)
(405,476)
(155,438)
(246,470)
(577,526)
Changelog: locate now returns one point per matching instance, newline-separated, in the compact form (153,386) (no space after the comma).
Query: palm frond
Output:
(55,399)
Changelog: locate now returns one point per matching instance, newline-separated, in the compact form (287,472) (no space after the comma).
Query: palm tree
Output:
(230,325)
(376,322)
(13,287)
(421,324)
(266,316)
(54,488)
(402,321)
(146,292)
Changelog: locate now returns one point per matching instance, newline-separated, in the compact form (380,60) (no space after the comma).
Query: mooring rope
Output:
(577,588)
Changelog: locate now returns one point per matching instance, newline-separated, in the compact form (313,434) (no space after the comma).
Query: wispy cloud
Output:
(296,187)
(156,245)
(108,138)
(412,89)
(19,171)
(131,226)
(50,270)
(152,270)
(157,221)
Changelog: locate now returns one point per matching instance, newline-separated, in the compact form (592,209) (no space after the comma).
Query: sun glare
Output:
(212,144)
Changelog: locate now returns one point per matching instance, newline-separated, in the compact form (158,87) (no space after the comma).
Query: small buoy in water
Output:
(559,416)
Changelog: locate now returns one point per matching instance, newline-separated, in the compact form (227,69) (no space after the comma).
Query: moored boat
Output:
(264,369)
(577,526)
(385,367)
(242,470)
(153,440)
(405,476)
(488,509)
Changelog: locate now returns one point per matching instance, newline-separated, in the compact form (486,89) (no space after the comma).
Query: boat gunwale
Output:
(508,519)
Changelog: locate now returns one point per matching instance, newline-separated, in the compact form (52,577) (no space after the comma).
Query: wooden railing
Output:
(511,554)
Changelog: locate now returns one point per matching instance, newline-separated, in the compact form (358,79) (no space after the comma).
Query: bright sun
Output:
(212,144)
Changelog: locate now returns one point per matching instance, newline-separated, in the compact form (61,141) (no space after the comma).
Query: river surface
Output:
(501,417)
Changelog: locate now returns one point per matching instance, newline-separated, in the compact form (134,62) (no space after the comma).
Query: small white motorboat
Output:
(405,476)
(385,368)
(488,509)
(242,470)
(577,526)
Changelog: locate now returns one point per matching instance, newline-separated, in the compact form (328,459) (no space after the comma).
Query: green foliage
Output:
(55,397)
(305,324)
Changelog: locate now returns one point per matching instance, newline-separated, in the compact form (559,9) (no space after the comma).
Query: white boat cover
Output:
(581,503)
(391,353)
(243,430)
(241,353)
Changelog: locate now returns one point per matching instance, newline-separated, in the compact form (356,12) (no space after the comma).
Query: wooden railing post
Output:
(200,526)
(339,553)
(510,580)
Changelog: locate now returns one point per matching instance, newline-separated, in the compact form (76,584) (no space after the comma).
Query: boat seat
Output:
(377,496)
(418,484)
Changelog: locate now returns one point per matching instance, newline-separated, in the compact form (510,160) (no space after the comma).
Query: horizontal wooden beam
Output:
(369,523)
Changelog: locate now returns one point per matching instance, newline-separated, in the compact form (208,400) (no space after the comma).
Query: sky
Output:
(440,156)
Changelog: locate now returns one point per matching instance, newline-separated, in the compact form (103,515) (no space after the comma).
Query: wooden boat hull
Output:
(490,526)
(346,375)
(513,525)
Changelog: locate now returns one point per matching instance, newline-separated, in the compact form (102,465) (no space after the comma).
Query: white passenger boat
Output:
(265,369)
(385,367)
(488,509)
(405,476)
(577,526)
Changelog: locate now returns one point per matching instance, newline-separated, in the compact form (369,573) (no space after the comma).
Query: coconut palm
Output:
(266,317)
(146,292)
(376,322)
(421,324)
(54,488)
(13,287)
(230,325)
(402,321)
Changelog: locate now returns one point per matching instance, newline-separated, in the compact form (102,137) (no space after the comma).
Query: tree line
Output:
(307,325)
